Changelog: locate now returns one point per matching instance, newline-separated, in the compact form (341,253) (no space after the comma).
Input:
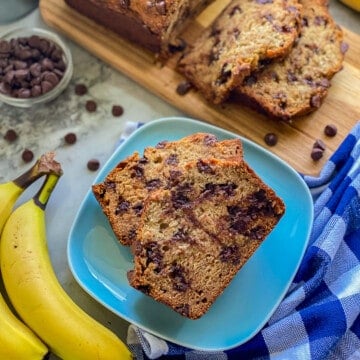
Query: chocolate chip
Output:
(271,139)
(93,164)
(51,78)
(153,184)
(177,274)
(230,254)
(24,93)
(35,69)
(80,89)
(125,3)
(317,154)
(117,110)
(315,101)
(36,90)
(330,130)
(344,47)
(47,64)
(172,159)
(210,140)
(203,167)
(160,7)
(224,76)
(34,41)
(46,86)
(10,135)
(177,45)
(91,106)
(183,88)
(122,206)
(319,144)
(70,138)
(5,47)
(27,155)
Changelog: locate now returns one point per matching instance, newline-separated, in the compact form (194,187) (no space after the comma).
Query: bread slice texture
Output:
(242,38)
(298,84)
(124,190)
(196,234)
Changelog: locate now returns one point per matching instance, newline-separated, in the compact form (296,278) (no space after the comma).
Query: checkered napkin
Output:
(319,318)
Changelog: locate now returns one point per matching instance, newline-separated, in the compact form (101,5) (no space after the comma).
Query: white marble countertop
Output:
(42,129)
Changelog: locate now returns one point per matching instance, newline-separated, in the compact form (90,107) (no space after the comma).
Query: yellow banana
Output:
(37,295)
(354,4)
(16,339)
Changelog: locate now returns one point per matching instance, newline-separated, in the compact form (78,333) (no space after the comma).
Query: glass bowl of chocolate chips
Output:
(35,67)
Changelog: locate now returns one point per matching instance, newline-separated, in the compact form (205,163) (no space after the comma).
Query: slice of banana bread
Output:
(195,235)
(298,84)
(247,34)
(123,192)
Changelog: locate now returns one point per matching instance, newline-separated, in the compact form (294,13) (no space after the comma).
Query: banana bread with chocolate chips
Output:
(123,192)
(244,37)
(196,234)
(153,24)
(298,84)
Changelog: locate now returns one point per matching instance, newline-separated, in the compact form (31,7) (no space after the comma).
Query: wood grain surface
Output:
(341,107)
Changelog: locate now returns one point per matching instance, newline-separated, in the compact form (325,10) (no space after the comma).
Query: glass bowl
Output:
(58,88)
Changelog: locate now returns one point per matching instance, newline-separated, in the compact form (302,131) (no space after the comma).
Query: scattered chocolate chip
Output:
(91,106)
(319,144)
(80,89)
(317,154)
(271,139)
(117,110)
(183,88)
(10,135)
(318,150)
(330,130)
(70,138)
(27,155)
(93,164)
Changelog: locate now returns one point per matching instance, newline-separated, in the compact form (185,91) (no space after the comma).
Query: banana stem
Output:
(42,197)
(44,165)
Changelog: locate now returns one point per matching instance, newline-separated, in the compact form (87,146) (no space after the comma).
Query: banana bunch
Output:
(36,294)
(16,339)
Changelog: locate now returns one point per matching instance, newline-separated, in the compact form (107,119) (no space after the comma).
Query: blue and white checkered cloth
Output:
(319,318)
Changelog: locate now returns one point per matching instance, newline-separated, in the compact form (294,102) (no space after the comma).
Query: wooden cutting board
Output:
(341,107)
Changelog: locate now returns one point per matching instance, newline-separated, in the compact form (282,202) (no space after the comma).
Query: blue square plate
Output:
(99,263)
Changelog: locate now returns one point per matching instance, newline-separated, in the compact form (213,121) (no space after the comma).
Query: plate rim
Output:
(102,174)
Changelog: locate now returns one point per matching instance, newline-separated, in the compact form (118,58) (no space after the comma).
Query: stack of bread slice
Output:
(277,56)
(193,212)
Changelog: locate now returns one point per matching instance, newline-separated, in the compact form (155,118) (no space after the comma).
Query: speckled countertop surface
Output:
(43,128)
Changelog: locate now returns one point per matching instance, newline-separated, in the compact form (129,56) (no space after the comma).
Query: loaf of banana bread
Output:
(153,24)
